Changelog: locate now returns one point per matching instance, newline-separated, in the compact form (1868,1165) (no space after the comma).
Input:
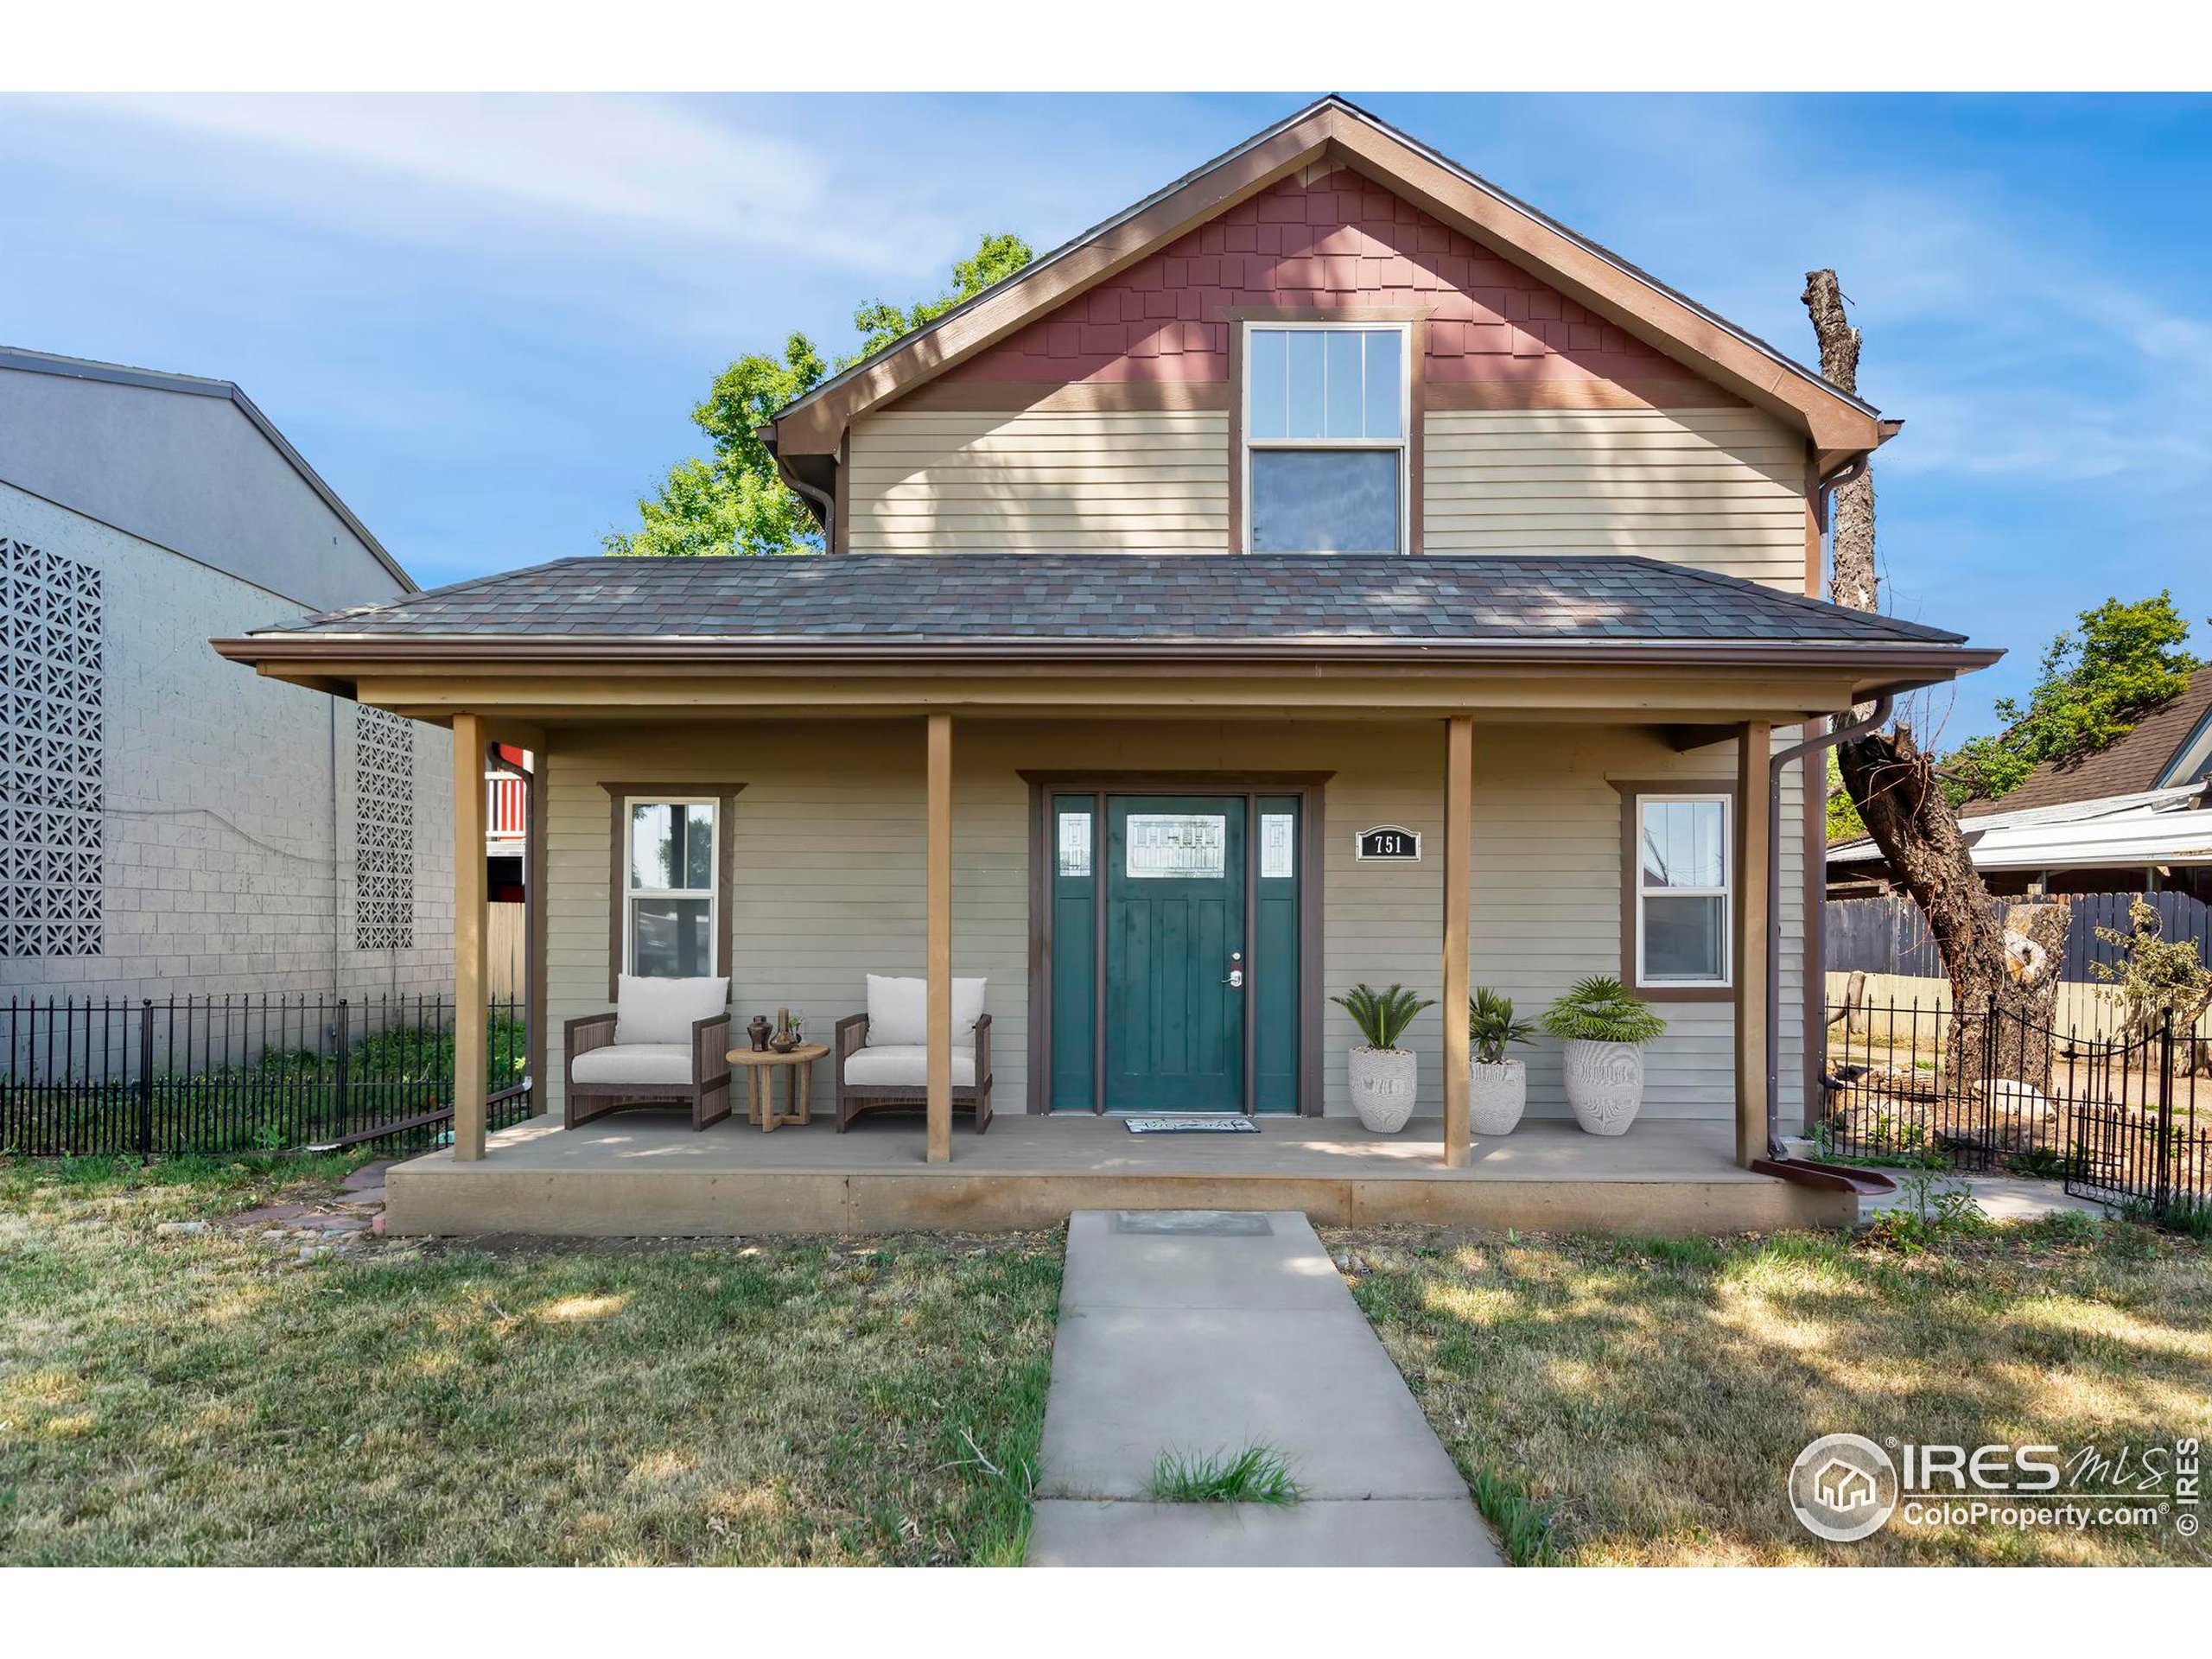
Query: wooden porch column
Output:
(939,907)
(1458,856)
(470,982)
(1748,946)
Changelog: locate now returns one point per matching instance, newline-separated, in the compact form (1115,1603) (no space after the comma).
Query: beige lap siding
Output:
(829,870)
(946,481)
(1722,489)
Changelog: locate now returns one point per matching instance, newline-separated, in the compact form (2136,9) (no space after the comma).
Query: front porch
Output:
(647,1172)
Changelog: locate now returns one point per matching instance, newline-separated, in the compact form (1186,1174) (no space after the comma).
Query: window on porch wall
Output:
(1683,889)
(1324,427)
(670,899)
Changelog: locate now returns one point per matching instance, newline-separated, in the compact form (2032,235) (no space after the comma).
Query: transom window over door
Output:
(1682,890)
(1325,437)
(672,894)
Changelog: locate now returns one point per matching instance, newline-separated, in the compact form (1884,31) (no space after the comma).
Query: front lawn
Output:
(204,1399)
(1624,1402)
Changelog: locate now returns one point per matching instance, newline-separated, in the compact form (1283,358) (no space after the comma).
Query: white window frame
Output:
(1725,892)
(711,893)
(1403,444)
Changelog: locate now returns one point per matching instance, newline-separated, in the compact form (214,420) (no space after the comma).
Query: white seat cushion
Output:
(636,1063)
(662,1010)
(906,1065)
(898,1011)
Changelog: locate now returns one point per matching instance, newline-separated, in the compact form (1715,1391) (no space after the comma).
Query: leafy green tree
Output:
(2123,659)
(731,500)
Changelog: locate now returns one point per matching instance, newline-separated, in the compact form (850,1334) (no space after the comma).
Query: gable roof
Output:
(1839,425)
(2127,766)
(117,374)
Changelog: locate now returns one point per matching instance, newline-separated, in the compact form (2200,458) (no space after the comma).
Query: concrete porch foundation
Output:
(647,1173)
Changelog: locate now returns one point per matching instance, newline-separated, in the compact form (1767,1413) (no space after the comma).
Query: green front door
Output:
(1175,950)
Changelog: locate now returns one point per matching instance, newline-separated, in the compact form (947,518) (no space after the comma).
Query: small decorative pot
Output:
(758,1028)
(1604,1084)
(1382,1087)
(1497,1093)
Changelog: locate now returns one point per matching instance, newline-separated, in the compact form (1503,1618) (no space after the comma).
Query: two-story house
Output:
(1328,569)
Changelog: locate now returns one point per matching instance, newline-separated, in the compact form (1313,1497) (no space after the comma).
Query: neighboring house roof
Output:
(2141,761)
(82,472)
(2159,826)
(1333,129)
(876,603)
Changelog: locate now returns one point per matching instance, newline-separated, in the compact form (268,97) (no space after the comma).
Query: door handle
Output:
(1235,979)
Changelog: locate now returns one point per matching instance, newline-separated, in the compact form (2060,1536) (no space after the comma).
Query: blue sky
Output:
(484,321)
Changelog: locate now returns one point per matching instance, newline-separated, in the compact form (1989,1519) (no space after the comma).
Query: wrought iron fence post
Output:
(146,1081)
(2163,1192)
(345,1066)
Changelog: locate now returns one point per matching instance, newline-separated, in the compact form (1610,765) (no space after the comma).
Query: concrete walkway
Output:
(1202,1331)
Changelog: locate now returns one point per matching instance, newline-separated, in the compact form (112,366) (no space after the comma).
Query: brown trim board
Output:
(725,796)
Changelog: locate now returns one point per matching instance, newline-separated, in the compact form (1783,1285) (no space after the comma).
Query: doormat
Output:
(1191,1126)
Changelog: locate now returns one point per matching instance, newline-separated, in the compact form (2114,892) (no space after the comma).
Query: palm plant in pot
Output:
(1497,1087)
(1382,1074)
(1604,1026)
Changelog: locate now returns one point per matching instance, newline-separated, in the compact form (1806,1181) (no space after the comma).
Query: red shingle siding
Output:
(1337,241)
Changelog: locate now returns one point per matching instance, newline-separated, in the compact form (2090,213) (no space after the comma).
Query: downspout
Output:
(1849,473)
(824,504)
(1827,740)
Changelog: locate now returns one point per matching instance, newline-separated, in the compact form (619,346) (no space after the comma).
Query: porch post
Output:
(1458,856)
(938,907)
(469,978)
(1748,946)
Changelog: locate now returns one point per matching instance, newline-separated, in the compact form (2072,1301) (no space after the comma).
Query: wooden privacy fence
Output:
(1889,934)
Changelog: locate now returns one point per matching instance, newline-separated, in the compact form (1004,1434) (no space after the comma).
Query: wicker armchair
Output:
(654,1049)
(878,1076)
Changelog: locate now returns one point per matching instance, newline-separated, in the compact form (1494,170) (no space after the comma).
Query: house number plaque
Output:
(1388,843)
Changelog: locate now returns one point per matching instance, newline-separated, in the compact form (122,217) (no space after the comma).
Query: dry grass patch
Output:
(202,1400)
(1641,1402)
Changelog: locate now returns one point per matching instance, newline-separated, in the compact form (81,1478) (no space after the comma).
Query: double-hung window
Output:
(1325,417)
(672,894)
(1682,890)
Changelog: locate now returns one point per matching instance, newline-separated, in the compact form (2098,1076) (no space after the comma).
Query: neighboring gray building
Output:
(168,825)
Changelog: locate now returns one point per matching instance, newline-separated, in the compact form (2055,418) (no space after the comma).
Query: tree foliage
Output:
(730,500)
(2123,659)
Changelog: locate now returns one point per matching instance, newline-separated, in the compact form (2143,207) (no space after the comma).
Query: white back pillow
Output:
(662,1010)
(898,1011)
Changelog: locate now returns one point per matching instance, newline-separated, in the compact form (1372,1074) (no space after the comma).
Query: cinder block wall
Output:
(227,852)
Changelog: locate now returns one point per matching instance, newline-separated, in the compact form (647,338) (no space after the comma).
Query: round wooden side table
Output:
(760,1065)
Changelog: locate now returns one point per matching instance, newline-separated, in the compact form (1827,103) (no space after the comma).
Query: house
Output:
(169,827)
(2134,816)
(1326,569)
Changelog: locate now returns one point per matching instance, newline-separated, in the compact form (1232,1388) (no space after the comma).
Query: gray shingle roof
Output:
(1140,598)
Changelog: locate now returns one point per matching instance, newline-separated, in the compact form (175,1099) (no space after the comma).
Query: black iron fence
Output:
(2117,1115)
(216,1074)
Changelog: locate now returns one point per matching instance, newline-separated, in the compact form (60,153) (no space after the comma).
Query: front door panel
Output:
(1175,906)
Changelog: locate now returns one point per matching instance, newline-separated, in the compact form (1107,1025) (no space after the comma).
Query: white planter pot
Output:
(1496,1095)
(1604,1084)
(1382,1087)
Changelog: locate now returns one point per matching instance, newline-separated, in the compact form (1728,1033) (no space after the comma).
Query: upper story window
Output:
(1325,437)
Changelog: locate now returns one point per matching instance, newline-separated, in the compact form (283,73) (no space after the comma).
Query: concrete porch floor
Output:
(647,1173)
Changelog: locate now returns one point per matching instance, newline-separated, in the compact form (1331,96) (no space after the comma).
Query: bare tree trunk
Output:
(2035,936)
(1852,581)
(1892,782)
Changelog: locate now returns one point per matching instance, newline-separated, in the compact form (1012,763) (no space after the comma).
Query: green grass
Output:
(1619,1402)
(200,1400)
(1253,1474)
